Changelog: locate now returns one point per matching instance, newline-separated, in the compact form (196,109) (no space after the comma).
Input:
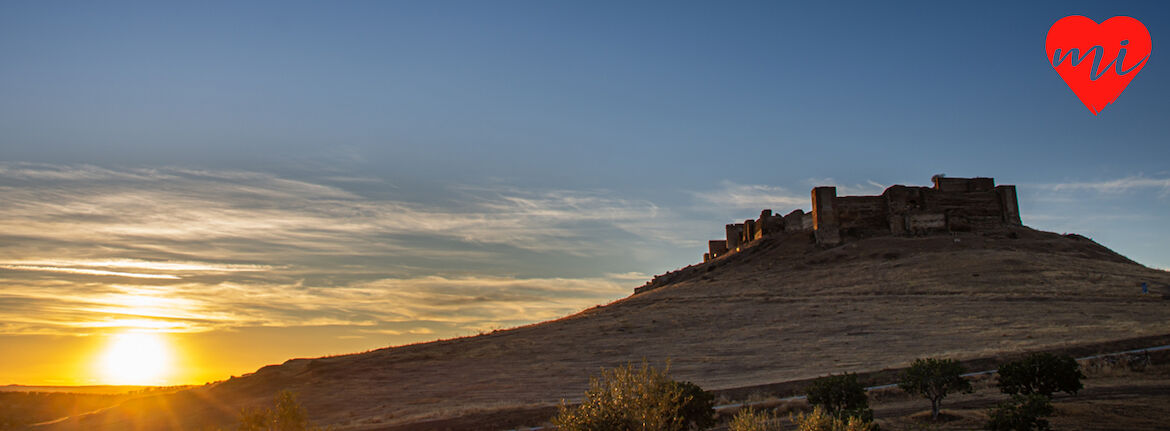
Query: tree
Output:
(933,379)
(287,415)
(698,406)
(1020,413)
(842,396)
(821,420)
(1040,373)
(630,398)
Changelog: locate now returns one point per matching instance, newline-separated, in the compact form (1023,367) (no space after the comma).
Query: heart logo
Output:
(1097,61)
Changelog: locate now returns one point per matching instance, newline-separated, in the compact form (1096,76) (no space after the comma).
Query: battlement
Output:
(950,205)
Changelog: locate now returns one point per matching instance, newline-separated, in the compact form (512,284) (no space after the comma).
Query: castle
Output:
(951,205)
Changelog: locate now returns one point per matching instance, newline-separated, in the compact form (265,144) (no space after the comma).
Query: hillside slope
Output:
(780,310)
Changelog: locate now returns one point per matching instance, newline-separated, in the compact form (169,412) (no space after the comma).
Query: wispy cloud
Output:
(733,195)
(868,188)
(89,248)
(147,264)
(752,197)
(87,271)
(1119,185)
(159,206)
(167,270)
(469,303)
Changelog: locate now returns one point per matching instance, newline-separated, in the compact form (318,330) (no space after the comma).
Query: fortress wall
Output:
(717,248)
(828,230)
(966,211)
(969,203)
(982,184)
(866,213)
(900,201)
(769,224)
(925,222)
(1007,201)
(795,221)
(749,231)
(952,204)
(734,235)
(977,184)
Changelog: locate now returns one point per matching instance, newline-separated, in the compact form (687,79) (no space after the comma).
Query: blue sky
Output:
(471,165)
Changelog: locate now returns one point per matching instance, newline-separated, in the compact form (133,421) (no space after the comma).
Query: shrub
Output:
(287,415)
(754,420)
(630,398)
(698,405)
(820,419)
(1020,413)
(1040,373)
(933,379)
(841,396)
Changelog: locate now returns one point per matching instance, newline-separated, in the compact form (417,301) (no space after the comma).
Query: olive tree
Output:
(933,379)
(1031,382)
(629,398)
(1040,373)
(840,395)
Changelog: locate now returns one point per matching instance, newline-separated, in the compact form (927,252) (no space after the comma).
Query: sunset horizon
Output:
(317,203)
(188,338)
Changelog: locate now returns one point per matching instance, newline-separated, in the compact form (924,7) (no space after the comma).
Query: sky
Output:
(257,181)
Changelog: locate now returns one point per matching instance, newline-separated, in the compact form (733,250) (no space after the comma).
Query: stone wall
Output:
(869,213)
(734,235)
(797,220)
(715,248)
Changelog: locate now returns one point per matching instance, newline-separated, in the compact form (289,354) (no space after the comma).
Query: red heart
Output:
(1087,56)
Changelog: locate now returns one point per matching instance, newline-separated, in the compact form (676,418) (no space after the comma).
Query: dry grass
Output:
(781,310)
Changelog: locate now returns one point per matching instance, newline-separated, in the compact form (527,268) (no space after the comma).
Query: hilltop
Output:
(782,308)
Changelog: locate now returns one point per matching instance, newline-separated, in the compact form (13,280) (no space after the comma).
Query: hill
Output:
(781,309)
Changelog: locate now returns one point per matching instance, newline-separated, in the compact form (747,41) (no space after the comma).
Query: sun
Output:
(136,358)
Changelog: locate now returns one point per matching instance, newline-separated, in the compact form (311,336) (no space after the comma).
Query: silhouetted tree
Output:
(933,379)
(1040,373)
(698,405)
(841,396)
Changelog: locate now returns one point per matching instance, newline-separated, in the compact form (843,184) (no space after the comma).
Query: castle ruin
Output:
(951,205)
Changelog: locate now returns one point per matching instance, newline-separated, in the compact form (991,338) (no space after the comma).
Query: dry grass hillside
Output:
(781,310)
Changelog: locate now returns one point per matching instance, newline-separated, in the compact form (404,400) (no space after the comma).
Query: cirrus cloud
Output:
(90,249)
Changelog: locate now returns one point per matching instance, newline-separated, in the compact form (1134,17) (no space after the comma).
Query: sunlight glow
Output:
(136,358)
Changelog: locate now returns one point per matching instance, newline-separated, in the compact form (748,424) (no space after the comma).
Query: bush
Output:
(754,420)
(287,415)
(933,379)
(1040,373)
(698,405)
(841,396)
(1021,413)
(820,419)
(630,398)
